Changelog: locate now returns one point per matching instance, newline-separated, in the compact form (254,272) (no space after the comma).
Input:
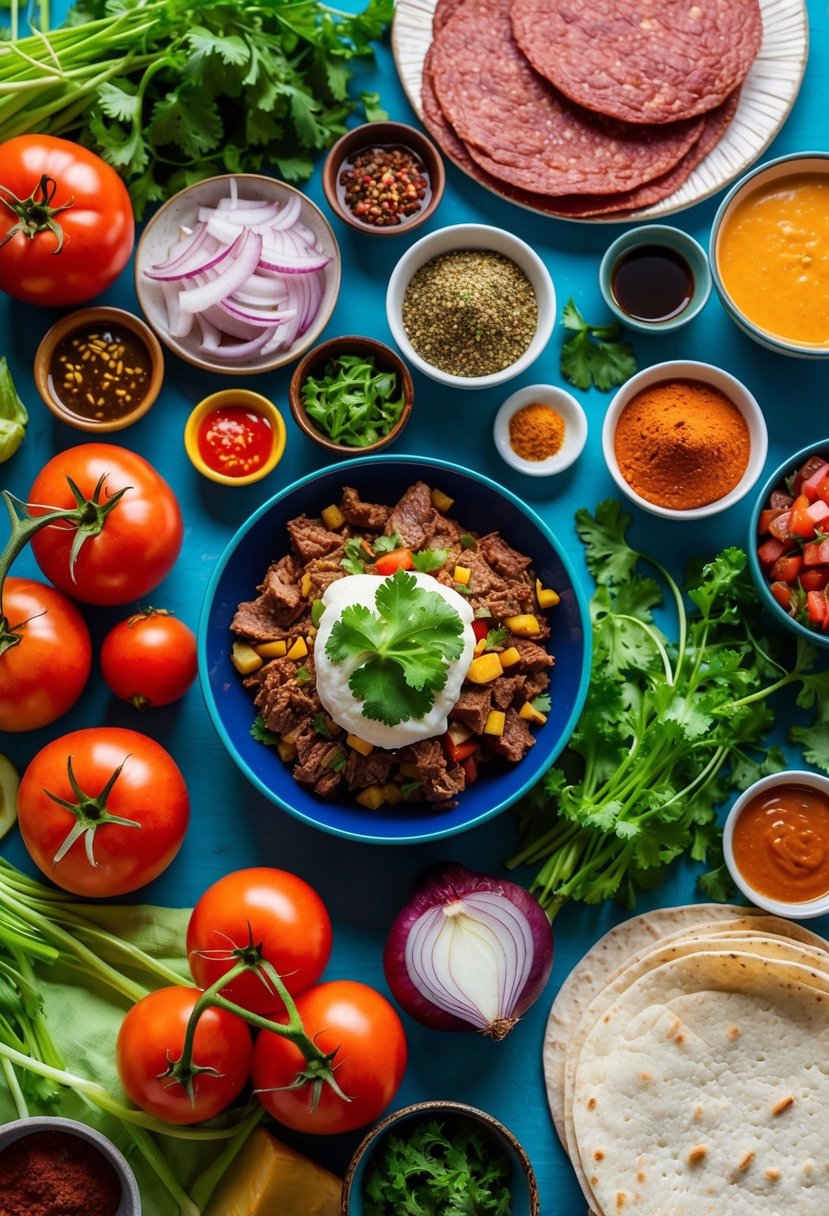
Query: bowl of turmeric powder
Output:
(684,440)
(540,430)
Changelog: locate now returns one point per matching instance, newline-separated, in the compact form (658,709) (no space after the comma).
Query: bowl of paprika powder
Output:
(684,440)
(540,430)
(54,1165)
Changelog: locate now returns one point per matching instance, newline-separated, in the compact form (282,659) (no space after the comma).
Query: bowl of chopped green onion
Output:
(351,395)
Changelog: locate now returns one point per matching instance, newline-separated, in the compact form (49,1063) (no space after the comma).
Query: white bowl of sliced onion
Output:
(238,273)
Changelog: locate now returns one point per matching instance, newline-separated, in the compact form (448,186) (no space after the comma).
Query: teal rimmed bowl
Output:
(777,481)
(667,241)
(479,504)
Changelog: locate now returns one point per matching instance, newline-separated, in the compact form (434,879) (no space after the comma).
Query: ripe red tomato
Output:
(149,659)
(272,909)
(369,1065)
(48,181)
(43,674)
(397,559)
(149,791)
(141,535)
(152,1035)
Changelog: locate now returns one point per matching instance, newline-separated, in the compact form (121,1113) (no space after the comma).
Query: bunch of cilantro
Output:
(669,728)
(173,91)
(438,1170)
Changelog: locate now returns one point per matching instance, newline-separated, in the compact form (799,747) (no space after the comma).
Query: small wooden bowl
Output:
(314,363)
(380,134)
(85,319)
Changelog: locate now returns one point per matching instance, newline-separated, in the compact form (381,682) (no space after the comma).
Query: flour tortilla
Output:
(703,1091)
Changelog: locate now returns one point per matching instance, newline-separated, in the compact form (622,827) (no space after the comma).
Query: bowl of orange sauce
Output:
(776,843)
(769,254)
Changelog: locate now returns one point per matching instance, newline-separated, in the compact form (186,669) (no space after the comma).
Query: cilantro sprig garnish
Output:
(402,650)
(594,354)
(670,728)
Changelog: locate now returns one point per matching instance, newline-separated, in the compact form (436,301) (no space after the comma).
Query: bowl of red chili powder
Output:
(59,1167)
(684,439)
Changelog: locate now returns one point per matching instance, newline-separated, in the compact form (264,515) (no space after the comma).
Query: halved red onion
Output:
(468,952)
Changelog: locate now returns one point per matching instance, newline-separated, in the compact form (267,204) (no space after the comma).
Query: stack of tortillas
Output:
(687,1066)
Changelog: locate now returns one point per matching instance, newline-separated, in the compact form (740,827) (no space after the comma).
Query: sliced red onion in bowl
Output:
(468,952)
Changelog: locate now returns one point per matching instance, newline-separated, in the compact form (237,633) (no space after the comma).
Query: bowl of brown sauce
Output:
(99,369)
(655,278)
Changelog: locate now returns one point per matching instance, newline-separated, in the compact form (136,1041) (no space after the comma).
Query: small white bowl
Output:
(472,236)
(575,429)
(687,369)
(800,911)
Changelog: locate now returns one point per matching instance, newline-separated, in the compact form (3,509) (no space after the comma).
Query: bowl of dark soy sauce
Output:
(655,278)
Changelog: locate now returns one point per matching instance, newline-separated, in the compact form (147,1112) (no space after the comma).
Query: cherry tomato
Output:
(152,1035)
(269,908)
(149,792)
(398,559)
(149,659)
(371,1058)
(43,675)
(72,219)
(141,535)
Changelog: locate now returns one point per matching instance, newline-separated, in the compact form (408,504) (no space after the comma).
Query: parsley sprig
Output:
(669,728)
(594,354)
(402,650)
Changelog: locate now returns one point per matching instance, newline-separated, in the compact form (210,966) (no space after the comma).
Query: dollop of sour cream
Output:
(332,678)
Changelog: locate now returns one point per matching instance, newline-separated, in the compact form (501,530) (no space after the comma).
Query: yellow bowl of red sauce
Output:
(235,437)
(776,843)
(769,254)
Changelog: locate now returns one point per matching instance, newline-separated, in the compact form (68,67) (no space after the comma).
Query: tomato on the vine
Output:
(137,542)
(152,1037)
(149,659)
(357,1023)
(103,811)
(260,907)
(43,674)
(66,221)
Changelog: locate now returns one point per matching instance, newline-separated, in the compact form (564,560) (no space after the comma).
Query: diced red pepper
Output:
(780,500)
(481,627)
(767,518)
(815,578)
(782,592)
(398,559)
(770,551)
(810,484)
(816,607)
(787,568)
(470,769)
(458,752)
(805,472)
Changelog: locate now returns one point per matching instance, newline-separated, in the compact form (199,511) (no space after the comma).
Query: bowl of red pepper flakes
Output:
(383,178)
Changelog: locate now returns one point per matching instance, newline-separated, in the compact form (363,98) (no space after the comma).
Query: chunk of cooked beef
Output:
(535,683)
(505,689)
(440,780)
(502,557)
(287,601)
(516,740)
(317,772)
(413,518)
(281,700)
(447,533)
(323,571)
(508,599)
(290,571)
(482,577)
(373,769)
(310,538)
(371,516)
(472,707)
(533,657)
(258,620)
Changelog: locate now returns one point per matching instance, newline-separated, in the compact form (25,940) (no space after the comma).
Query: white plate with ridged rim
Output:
(767,96)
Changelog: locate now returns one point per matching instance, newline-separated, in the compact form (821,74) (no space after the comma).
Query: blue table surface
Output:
(232,825)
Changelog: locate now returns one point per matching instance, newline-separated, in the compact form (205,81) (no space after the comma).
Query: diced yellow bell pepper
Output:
(393,793)
(286,751)
(510,656)
(332,517)
(530,714)
(524,625)
(267,1177)
(372,797)
(305,585)
(410,771)
(441,502)
(272,650)
(359,745)
(484,668)
(480,646)
(298,650)
(495,721)
(547,598)
(462,574)
(245,659)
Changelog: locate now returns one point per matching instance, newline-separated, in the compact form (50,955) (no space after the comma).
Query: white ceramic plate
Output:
(767,96)
(575,429)
(164,228)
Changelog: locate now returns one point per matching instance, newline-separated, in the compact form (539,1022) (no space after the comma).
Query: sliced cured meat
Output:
(520,130)
(641,61)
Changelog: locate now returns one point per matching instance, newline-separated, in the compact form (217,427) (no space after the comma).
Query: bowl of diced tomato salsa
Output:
(789,543)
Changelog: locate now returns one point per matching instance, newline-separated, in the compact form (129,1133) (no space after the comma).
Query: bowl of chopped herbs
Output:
(351,394)
(445,1158)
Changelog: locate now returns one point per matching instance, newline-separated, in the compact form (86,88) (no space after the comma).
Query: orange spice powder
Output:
(681,444)
(536,431)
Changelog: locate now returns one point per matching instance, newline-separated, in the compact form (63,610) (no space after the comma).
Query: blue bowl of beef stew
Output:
(480,507)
